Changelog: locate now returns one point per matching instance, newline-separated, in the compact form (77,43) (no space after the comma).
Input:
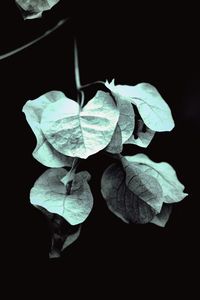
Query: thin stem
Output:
(79,87)
(82,98)
(114,156)
(76,67)
(59,24)
(75,163)
(89,84)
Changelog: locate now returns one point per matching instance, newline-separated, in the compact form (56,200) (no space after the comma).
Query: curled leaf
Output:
(44,152)
(143,135)
(32,9)
(62,233)
(73,200)
(153,109)
(80,132)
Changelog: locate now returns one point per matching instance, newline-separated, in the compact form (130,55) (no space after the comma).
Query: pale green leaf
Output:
(143,138)
(121,200)
(163,173)
(154,111)
(44,151)
(143,184)
(124,128)
(126,120)
(115,145)
(32,9)
(162,218)
(80,132)
(73,201)
(135,189)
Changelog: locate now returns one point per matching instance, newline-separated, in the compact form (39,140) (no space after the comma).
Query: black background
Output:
(131,43)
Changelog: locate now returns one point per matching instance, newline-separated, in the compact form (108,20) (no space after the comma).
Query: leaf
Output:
(124,128)
(162,218)
(80,132)
(126,120)
(115,145)
(163,173)
(135,189)
(73,201)
(121,200)
(44,151)
(62,233)
(65,240)
(32,9)
(153,109)
(71,238)
(143,138)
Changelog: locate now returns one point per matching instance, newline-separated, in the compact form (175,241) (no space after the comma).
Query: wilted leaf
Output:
(73,200)
(44,152)
(162,218)
(80,132)
(123,202)
(62,233)
(142,138)
(32,9)
(163,173)
(153,109)
(71,238)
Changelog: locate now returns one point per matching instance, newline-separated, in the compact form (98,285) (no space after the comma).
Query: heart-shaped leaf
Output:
(73,201)
(80,132)
(44,151)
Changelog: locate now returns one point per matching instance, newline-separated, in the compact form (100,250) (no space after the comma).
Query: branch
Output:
(58,25)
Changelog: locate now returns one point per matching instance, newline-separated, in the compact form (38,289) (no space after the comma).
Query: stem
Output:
(79,87)
(89,84)
(82,98)
(114,156)
(80,94)
(70,175)
(59,24)
(76,66)
(67,178)
(75,163)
